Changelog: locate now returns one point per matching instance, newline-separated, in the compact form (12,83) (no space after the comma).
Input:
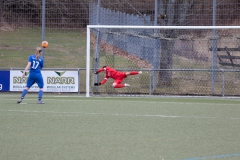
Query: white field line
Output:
(154,97)
(76,114)
(122,101)
(163,97)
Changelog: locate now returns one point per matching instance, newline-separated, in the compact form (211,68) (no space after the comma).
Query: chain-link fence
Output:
(21,31)
(193,82)
(162,12)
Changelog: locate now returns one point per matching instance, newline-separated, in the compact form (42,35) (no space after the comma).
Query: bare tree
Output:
(171,13)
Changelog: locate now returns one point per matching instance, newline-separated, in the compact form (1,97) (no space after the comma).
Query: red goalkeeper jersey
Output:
(112,73)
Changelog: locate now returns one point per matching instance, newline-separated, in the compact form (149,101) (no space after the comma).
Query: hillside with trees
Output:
(74,14)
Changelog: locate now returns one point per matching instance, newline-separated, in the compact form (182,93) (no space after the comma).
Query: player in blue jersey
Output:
(35,64)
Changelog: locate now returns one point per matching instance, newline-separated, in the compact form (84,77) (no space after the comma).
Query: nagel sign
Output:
(54,81)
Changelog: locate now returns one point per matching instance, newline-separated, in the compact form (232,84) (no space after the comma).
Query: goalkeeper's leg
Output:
(120,85)
(117,84)
(133,73)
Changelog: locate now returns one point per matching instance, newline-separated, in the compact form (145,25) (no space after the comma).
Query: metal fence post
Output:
(43,23)
(223,82)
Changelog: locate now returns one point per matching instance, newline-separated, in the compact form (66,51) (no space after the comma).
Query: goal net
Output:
(174,60)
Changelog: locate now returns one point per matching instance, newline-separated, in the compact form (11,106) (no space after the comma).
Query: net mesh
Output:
(173,61)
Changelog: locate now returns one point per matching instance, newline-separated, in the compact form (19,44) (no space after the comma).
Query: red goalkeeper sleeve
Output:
(104,81)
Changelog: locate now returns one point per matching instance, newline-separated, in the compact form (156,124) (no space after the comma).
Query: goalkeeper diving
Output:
(116,75)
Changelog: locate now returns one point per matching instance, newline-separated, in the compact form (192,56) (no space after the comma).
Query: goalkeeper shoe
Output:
(40,102)
(127,85)
(140,72)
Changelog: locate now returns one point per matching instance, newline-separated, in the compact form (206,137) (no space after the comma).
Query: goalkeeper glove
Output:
(97,84)
(96,72)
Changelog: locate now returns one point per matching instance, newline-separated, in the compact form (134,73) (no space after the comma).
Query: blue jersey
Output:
(36,65)
(35,75)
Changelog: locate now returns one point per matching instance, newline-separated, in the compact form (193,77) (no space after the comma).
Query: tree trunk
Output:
(166,61)
(175,12)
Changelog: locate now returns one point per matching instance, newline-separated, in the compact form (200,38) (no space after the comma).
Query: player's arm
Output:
(26,69)
(102,82)
(100,70)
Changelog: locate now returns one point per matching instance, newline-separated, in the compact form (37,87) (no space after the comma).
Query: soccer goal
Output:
(174,60)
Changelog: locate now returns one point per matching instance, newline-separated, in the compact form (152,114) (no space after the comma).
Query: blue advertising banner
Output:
(4,80)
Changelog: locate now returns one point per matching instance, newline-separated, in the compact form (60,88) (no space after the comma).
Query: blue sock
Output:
(24,92)
(40,94)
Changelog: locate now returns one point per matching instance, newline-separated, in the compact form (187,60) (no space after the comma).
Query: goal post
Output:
(136,47)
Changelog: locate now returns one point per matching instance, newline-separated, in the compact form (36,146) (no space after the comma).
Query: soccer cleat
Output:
(40,102)
(126,85)
(140,72)
(19,101)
